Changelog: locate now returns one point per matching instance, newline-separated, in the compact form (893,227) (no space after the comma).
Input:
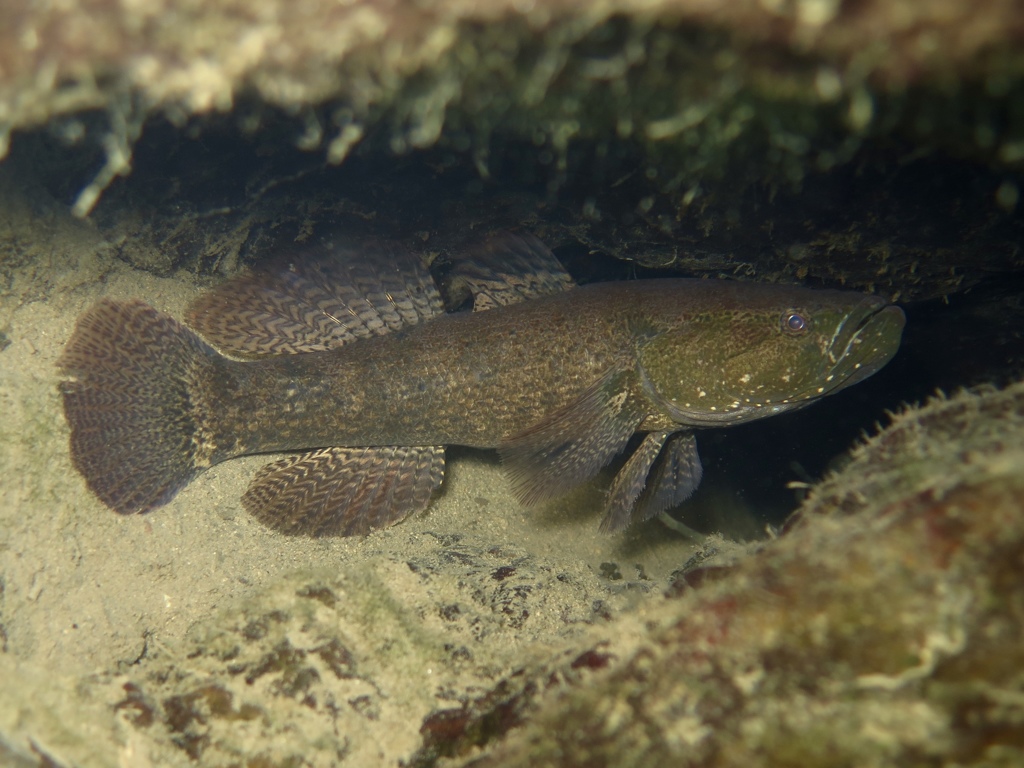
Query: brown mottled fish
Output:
(349,358)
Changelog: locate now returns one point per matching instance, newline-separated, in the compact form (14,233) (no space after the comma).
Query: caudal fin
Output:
(130,401)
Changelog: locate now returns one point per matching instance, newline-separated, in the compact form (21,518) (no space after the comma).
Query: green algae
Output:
(776,141)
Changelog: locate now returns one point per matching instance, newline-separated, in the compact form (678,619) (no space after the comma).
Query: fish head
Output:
(762,350)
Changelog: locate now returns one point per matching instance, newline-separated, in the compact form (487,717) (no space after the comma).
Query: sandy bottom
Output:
(84,591)
(84,587)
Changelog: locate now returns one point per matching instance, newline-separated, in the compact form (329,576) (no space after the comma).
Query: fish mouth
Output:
(863,343)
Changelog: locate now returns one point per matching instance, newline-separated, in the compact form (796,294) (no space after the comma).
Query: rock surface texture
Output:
(152,148)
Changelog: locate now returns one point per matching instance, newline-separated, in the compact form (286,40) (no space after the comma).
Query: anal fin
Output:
(572,444)
(345,491)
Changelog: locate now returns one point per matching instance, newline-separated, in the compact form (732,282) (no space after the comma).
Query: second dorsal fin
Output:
(318,300)
(505,268)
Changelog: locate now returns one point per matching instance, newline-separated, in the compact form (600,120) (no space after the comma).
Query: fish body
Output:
(376,380)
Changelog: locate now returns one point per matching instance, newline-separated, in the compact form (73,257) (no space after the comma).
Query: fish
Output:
(351,359)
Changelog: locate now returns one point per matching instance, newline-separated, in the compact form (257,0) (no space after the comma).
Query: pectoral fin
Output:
(639,494)
(345,491)
(572,444)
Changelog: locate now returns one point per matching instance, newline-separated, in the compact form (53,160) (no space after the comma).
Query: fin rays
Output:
(638,493)
(329,298)
(629,483)
(136,436)
(345,491)
(507,268)
(573,444)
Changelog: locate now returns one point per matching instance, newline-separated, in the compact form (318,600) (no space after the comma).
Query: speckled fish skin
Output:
(696,353)
(358,367)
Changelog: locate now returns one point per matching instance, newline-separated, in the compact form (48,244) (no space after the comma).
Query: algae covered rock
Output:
(883,629)
(328,668)
(152,146)
(671,134)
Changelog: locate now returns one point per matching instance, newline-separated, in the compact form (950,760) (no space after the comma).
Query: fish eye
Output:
(794,323)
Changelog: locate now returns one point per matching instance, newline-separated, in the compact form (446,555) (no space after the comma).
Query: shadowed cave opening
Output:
(209,198)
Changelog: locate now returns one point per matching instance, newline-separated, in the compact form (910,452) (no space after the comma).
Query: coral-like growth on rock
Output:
(883,629)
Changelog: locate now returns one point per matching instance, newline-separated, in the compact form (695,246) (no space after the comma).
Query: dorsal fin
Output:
(320,299)
(505,268)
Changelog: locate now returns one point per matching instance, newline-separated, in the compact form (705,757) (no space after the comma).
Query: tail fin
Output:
(129,400)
